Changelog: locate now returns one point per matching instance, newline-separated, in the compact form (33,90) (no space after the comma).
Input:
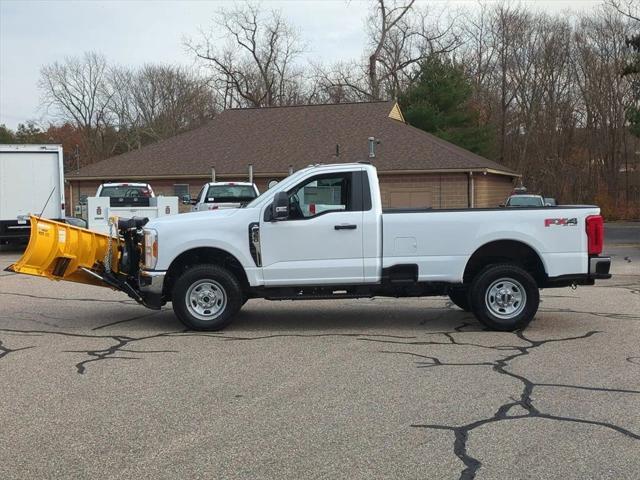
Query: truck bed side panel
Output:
(441,242)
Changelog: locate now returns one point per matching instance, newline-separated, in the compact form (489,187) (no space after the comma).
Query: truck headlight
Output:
(150,248)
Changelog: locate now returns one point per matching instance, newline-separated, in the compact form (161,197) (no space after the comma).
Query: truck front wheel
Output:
(207,297)
(504,297)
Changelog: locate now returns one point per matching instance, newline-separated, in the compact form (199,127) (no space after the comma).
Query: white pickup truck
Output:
(215,195)
(491,262)
(126,200)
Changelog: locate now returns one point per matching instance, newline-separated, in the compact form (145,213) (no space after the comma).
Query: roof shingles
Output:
(272,139)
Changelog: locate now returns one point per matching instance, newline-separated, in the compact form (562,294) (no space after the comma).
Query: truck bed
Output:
(392,210)
(440,242)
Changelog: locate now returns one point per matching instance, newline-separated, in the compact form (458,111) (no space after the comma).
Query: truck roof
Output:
(133,184)
(213,184)
(30,147)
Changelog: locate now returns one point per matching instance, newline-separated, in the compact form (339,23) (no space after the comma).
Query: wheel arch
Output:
(201,256)
(506,251)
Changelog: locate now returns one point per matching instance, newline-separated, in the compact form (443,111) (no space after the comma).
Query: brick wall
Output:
(426,190)
(448,190)
(491,190)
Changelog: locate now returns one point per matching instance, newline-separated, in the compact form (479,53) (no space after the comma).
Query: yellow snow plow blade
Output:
(59,251)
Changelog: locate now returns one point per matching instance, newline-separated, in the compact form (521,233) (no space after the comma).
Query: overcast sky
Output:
(134,32)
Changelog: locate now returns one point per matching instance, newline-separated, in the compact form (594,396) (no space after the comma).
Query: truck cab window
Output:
(321,194)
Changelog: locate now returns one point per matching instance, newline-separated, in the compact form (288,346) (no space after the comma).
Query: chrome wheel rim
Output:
(206,299)
(506,298)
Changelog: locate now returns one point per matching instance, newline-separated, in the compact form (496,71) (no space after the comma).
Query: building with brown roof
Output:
(416,169)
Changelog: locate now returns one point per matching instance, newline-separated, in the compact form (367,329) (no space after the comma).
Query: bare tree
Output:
(400,36)
(383,23)
(256,67)
(78,91)
(628,8)
(605,95)
(158,101)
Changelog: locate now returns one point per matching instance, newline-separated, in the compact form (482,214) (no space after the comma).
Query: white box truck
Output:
(31,182)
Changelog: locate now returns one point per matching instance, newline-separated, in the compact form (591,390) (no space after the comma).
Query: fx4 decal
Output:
(565,222)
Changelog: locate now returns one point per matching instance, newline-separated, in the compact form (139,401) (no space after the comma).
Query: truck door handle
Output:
(345,226)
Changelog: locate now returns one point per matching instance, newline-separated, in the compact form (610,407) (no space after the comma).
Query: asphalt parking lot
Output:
(94,385)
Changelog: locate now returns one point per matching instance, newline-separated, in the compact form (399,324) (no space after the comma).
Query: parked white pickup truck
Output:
(126,200)
(215,195)
(489,261)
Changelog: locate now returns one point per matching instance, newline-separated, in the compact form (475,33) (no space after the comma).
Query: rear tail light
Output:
(595,234)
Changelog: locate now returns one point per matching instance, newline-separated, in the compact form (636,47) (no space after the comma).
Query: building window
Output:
(180,190)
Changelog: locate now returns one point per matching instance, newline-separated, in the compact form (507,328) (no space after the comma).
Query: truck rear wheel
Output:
(206,297)
(504,297)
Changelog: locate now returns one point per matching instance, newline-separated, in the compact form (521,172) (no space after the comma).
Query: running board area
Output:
(315,293)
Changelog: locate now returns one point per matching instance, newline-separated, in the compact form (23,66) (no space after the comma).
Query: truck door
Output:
(321,242)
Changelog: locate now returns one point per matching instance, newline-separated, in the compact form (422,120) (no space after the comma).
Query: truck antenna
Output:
(46,203)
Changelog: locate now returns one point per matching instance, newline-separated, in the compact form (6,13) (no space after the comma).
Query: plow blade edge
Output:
(59,251)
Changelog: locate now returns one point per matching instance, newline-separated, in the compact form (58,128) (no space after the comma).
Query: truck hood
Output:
(191,218)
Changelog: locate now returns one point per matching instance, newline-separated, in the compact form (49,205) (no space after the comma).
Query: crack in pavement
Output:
(4,350)
(99,354)
(633,288)
(525,402)
(122,341)
(63,299)
(118,322)
(109,352)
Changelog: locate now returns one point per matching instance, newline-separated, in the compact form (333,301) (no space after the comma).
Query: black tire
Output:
(219,287)
(514,301)
(460,298)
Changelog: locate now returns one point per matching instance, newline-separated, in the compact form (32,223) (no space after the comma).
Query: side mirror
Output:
(280,206)
(186,199)
(502,205)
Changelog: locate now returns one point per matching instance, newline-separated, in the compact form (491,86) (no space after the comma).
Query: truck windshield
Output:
(524,201)
(125,191)
(230,193)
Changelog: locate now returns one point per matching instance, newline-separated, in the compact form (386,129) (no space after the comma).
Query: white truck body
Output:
(280,246)
(311,252)
(29,175)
